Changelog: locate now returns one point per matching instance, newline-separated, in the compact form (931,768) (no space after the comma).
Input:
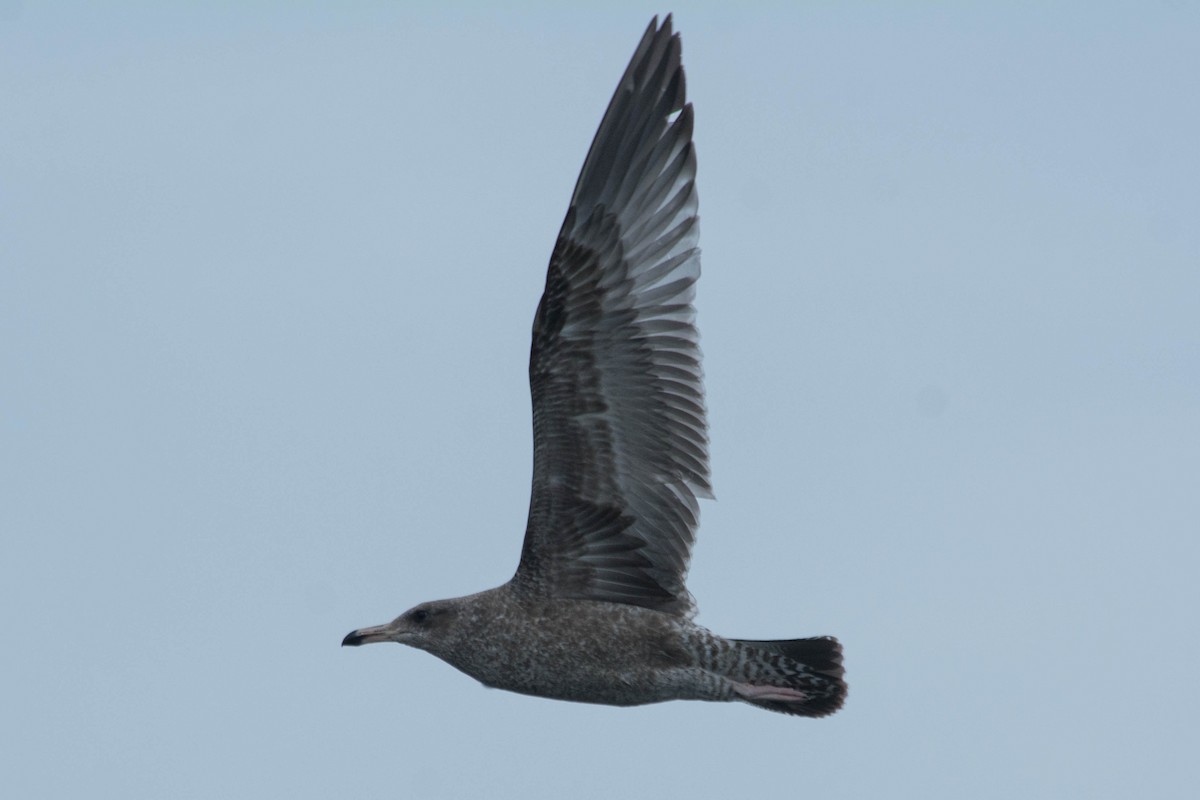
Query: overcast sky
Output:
(267,274)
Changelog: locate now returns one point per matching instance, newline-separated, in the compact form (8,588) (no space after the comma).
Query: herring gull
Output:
(597,611)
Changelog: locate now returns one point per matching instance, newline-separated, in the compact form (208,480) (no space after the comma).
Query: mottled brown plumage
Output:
(598,610)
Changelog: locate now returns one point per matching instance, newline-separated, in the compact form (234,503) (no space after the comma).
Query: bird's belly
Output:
(617,687)
(635,659)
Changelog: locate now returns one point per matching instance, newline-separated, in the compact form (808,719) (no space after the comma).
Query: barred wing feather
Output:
(620,437)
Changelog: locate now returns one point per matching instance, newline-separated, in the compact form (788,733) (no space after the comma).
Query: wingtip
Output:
(667,28)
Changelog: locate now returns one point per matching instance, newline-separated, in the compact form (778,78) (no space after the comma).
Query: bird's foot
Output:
(752,692)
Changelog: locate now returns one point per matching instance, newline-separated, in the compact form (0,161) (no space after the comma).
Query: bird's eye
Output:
(420,616)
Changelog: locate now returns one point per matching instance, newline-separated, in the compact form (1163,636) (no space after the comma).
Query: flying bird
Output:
(598,611)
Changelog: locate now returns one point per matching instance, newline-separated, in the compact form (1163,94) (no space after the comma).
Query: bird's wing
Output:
(620,443)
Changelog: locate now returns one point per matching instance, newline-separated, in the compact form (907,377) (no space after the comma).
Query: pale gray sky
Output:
(266,286)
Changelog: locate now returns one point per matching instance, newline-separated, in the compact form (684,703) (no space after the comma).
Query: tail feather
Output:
(810,669)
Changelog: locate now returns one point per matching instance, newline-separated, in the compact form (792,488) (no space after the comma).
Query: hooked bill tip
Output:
(379,633)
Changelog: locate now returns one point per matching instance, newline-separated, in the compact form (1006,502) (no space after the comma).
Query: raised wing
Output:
(619,433)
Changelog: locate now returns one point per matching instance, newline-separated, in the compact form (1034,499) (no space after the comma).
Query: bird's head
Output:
(422,626)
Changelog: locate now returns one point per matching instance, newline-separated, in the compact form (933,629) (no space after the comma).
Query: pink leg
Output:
(750,691)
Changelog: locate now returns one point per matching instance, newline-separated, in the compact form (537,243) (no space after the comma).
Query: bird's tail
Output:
(793,676)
